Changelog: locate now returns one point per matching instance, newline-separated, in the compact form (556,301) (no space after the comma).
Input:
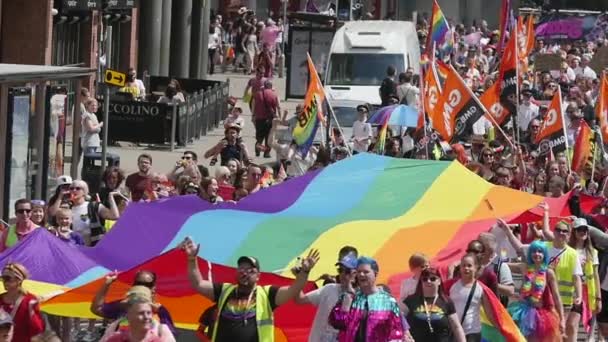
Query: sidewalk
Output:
(163,159)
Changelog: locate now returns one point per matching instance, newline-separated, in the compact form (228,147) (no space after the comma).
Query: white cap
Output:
(579,222)
(65,179)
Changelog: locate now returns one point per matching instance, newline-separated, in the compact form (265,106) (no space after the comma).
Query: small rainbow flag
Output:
(440,33)
(313,114)
(504,328)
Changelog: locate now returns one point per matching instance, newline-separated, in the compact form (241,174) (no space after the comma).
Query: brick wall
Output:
(89,47)
(130,42)
(26,32)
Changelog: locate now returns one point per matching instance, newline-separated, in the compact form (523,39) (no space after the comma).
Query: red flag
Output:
(551,136)
(584,148)
(504,22)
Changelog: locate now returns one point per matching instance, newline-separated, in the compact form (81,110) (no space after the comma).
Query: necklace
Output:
(247,304)
(427,310)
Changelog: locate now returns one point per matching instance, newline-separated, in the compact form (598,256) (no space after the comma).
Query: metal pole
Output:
(106,101)
(173,123)
(282,56)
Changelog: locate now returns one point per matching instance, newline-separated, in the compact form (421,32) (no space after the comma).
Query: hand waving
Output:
(310,261)
(189,247)
(111,277)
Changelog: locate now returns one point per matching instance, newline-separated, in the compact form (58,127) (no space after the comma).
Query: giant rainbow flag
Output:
(388,208)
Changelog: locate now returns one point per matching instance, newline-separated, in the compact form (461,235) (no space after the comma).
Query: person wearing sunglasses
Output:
(563,260)
(23,225)
(417,263)
(245,308)
(430,313)
(22,305)
(117,309)
(326,297)
(368,313)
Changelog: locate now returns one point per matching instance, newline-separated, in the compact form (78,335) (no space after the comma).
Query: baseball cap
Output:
(5,318)
(349,261)
(63,180)
(249,260)
(580,223)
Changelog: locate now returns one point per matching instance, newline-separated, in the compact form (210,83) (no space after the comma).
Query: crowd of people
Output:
(563,264)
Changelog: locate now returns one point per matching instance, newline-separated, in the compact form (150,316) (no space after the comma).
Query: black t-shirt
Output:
(387,88)
(417,318)
(237,319)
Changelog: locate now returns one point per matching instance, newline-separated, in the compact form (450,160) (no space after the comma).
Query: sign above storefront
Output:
(80,5)
(119,4)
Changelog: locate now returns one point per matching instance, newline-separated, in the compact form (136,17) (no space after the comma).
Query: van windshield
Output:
(363,69)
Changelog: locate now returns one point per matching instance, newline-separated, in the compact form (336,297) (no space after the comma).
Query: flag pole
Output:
(561,111)
(517,103)
(486,113)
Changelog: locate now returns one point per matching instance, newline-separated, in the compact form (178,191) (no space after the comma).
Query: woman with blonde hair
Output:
(139,323)
(20,304)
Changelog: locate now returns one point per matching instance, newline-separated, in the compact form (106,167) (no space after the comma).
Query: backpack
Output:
(504,300)
(96,223)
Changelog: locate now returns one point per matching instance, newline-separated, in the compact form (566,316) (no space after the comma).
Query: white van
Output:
(360,53)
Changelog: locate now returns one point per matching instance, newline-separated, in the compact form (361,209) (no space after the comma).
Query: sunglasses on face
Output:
(148,284)
(186,158)
(582,230)
(562,231)
(8,278)
(23,211)
(429,278)
(246,270)
(75,188)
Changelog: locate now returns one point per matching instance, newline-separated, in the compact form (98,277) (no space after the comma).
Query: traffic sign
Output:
(115,78)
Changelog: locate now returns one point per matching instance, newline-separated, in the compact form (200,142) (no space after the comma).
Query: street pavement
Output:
(164,159)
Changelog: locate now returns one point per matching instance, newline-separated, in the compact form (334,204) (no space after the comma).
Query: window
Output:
(362,69)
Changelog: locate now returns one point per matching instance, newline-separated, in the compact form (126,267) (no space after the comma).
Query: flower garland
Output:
(534,284)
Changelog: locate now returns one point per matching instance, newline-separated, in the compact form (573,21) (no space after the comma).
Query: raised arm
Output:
(100,296)
(547,233)
(200,285)
(517,245)
(286,293)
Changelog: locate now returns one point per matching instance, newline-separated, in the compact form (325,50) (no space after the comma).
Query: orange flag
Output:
(457,109)
(584,148)
(507,78)
(491,101)
(601,109)
(552,136)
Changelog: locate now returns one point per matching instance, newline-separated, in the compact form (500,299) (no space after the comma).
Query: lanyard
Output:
(427,310)
(248,302)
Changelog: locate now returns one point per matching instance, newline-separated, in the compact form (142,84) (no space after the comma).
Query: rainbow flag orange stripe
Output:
(504,328)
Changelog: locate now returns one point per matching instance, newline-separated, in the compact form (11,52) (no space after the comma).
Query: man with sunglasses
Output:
(22,227)
(326,297)
(117,309)
(245,308)
(188,161)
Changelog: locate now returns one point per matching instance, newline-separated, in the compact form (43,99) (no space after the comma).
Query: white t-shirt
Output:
(459,295)
(81,221)
(408,288)
(361,130)
(324,299)
(525,114)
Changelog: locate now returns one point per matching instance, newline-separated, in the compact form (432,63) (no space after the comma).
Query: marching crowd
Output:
(563,264)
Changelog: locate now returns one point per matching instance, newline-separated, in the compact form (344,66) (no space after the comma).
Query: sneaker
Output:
(267,154)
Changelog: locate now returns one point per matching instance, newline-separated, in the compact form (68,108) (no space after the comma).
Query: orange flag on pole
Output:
(584,148)
(601,109)
(552,136)
(491,101)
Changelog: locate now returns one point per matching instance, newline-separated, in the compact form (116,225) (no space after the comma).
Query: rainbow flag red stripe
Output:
(504,329)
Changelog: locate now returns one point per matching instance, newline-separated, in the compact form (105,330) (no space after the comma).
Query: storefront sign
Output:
(138,122)
(561,26)
(80,5)
(120,4)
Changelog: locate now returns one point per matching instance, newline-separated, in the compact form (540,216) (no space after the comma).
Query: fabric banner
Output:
(584,149)
(563,26)
(313,113)
(551,136)
(601,109)
(491,100)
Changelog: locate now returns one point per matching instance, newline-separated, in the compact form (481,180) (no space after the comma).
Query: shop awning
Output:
(17,73)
